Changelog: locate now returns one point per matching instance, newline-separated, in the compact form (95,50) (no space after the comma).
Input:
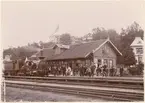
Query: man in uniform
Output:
(93,67)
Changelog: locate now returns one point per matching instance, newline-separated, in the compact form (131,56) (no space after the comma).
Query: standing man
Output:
(105,70)
(121,71)
(98,70)
(81,70)
(63,70)
(17,66)
(111,71)
(93,67)
(68,70)
(88,71)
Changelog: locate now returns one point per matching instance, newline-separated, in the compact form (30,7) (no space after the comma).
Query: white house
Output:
(137,46)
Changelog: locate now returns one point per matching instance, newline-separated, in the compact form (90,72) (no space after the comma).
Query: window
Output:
(99,62)
(139,50)
(140,59)
(110,63)
(139,42)
(88,62)
(105,62)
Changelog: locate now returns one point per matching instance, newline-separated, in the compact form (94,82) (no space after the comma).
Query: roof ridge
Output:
(88,42)
(46,48)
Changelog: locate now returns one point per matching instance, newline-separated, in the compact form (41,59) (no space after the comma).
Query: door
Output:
(110,63)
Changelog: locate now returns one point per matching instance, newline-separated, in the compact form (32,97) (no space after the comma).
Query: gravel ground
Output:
(19,94)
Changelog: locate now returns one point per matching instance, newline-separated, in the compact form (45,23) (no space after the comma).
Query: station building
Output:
(100,52)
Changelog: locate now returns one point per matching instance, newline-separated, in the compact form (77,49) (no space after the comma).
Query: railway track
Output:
(94,93)
(127,86)
(80,78)
(127,89)
(83,79)
(105,82)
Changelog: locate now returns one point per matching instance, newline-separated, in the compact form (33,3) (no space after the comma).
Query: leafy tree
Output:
(65,39)
(36,45)
(48,44)
(87,37)
(99,33)
(112,34)
(41,44)
(128,56)
(26,51)
(126,38)
(122,42)
(132,70)
(10,51)
(114,37)
(140,68)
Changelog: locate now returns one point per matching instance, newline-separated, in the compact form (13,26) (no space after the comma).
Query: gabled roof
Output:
(137,42)
(79,50)
(115,48)
(84,49)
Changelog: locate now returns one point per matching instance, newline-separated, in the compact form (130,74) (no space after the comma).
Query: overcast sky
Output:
(27,22)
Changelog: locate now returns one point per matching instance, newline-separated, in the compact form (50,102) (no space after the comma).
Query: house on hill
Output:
(100,52)
(137,46)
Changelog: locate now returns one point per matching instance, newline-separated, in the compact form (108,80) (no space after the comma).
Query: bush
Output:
(132,70)
(137,70)
(140,68)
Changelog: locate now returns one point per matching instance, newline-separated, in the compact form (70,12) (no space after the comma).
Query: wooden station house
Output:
(100,52)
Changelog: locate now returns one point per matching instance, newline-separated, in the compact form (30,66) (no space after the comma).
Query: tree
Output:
(41,44)
(65,39)
(112,34)
(128,56)
(87,37)
(126,38)
(114,37)
(35,45)
(48,44)
(140,68)
(99,33)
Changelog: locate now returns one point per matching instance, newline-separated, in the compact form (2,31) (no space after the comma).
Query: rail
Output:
(138,81)
(108,94)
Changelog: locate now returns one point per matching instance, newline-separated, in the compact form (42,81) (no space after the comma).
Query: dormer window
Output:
(59,48)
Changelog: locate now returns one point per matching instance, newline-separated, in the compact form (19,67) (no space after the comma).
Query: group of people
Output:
(43,69)
(79,70)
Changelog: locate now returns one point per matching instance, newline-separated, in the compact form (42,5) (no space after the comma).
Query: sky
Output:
(26,22)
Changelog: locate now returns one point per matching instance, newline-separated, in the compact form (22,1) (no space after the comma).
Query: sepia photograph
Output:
(72,51)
